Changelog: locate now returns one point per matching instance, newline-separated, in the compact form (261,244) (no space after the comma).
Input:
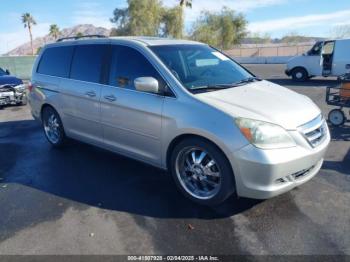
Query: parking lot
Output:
(84,200)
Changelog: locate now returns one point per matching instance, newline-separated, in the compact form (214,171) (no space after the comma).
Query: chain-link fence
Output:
(269,50)
(20,66)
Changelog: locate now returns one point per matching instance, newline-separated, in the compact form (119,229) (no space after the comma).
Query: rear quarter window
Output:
(55,61)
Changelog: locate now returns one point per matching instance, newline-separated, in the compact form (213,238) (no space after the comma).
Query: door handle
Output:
(90,94)
(110,98)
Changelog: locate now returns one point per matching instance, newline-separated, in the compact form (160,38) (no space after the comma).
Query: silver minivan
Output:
(182,106)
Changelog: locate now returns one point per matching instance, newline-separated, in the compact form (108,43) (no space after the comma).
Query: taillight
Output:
(30,87)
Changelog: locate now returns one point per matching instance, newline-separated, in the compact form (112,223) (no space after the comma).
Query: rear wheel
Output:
(336,117)
(202,172)
(300,74)
(53,127)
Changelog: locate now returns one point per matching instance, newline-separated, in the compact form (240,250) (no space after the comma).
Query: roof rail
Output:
(80,37)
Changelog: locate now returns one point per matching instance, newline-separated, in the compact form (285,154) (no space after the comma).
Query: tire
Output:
(300,74)
(214,188)
(336,117)
(53,127)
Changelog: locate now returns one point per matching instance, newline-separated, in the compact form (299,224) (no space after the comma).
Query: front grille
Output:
(314,131)
(302,173)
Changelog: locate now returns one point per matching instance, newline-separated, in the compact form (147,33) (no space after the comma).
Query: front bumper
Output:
(263,174)
(16,95)
(3,101)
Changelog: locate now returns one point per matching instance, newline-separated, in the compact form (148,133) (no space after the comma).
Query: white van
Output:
(328,58)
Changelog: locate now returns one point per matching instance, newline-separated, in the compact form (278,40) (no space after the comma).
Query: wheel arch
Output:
(43,106)
(301,67)
(182,137)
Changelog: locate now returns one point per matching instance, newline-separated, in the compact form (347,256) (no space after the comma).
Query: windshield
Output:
(198,66)
(2,72)
(316,49)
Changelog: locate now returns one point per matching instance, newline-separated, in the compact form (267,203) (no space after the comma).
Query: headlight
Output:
(264,135)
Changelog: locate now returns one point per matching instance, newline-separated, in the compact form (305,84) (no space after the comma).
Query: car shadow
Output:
(342,166)
(340,133)
(98,178)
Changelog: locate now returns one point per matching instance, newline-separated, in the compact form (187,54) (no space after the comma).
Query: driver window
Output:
(316,50)
(127,65)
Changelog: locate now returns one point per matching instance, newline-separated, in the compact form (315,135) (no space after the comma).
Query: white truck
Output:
(325,58)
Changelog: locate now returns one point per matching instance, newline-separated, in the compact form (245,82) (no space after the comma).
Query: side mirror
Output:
(147,84)
(7,72)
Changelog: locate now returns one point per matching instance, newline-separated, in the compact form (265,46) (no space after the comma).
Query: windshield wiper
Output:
(248,80)
(212,87)
(225,86)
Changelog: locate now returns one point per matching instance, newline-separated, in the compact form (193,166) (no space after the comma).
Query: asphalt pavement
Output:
(84,200)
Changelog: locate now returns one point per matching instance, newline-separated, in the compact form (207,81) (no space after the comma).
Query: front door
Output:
(131,119)
(312,60)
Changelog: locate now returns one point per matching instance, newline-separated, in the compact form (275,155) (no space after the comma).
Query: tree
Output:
(258,38)
(79,34)
(293,38)
(221,29)
(54,31)
(341,31)
(173,22)
(141,17)
(183,4)
(28,21)
(121,19)
(38,50)
(186,3)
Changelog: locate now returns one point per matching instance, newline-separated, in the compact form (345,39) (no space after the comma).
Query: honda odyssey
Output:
(182,106)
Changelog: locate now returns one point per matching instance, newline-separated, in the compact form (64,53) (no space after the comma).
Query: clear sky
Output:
(276,17)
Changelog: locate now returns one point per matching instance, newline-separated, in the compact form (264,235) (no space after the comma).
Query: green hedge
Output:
(20,66)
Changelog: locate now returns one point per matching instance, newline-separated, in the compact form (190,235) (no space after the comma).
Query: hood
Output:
(264,101)
(10,80)
(295,61)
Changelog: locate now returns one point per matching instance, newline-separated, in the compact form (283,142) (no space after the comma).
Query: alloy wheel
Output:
(52,129)
(198,173)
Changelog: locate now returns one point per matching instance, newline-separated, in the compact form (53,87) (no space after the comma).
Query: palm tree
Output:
(54,31)
(28,21)
(186,3)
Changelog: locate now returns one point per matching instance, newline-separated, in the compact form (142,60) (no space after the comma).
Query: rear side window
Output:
(87,62)
(55,61)
(128,64)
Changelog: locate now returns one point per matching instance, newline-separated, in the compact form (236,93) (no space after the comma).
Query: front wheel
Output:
(300,74)
(53,127)
(336,117)
(202,172)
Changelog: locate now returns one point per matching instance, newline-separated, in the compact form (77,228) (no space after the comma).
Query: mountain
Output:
(88,29)
(85,29)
